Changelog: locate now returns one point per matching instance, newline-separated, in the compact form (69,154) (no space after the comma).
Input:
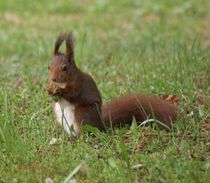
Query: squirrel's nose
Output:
(54,79)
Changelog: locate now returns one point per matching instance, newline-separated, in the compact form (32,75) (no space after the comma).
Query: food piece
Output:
(54,88)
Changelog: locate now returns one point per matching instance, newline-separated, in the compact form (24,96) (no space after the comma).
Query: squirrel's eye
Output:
(48,67)
(64,68)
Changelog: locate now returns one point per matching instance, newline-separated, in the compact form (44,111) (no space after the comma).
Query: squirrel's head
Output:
(62,67)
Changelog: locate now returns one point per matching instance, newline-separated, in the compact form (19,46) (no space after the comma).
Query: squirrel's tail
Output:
(123,109)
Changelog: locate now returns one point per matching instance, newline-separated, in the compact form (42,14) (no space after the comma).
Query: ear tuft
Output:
(58,43)
(69,46)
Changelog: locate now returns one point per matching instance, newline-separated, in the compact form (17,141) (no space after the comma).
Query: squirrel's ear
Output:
(69,46)
(58,43)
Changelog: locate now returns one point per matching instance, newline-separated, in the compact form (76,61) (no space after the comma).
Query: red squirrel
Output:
(79,100)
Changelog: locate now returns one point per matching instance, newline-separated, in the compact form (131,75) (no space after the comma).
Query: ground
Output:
(153,47)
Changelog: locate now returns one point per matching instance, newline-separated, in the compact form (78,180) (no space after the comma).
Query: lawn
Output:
(153,47)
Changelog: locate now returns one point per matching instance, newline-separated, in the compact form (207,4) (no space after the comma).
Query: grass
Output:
(153,47)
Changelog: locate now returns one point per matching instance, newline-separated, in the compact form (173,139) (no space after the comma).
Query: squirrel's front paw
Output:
(53,90)
(49,91)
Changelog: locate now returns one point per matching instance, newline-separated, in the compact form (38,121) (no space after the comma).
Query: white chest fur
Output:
(64,112)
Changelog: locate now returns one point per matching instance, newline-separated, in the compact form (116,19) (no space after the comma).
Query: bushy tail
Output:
(123,109)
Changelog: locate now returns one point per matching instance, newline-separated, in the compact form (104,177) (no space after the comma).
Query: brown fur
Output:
(82,92)
(123,109)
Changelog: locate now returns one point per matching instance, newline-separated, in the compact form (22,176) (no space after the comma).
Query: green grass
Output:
(153,47)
